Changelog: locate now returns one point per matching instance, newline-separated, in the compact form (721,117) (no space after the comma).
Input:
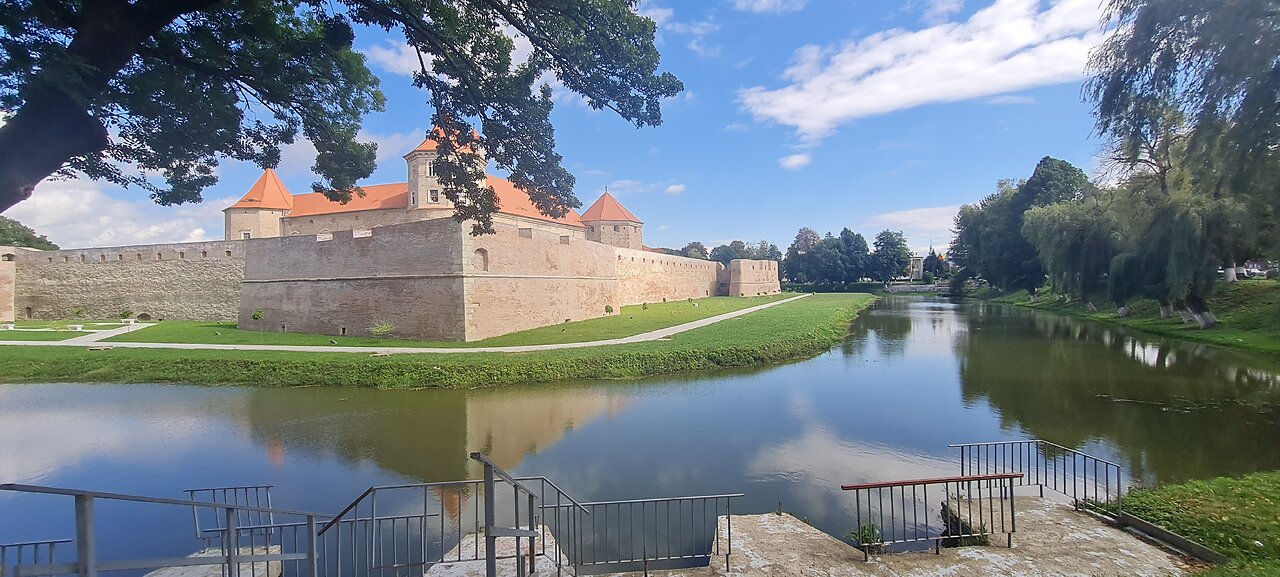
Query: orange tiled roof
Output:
(608,208)
(379,196)
(267,192)
(430,144)
(512,200)
(375,196)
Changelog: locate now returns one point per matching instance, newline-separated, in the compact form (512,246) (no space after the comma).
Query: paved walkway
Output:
(659,334)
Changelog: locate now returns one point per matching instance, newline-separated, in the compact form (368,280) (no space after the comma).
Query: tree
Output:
(1075,241)
(695,250)
(891,257)
(14,233)
(1212,61)
(724,253)
(172,87)
(856,256)
(794,264)
(763,250)
(932,263)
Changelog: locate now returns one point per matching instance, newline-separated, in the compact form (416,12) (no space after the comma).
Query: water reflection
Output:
(914,375)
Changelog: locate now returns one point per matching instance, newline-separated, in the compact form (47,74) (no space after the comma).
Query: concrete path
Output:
(640,338)
(1052,540)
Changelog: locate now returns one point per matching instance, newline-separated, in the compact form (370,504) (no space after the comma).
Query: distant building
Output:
(915,269)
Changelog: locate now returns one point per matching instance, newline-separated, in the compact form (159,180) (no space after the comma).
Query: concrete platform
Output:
(462,560)
(1052,540)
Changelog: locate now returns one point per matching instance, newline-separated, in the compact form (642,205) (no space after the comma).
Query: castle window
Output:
(159,256)
(66,259)
(615,228)
(119,257)
(139,256)
(182,255)
(204,254)
(564,240)
(102,257)
(50,259)
(413,198)
(81,258)
(480,260)
(431,169)
(526,233)
(435,195)
(228,253)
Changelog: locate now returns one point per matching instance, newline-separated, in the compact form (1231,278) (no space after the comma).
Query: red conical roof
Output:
(268,192)
(608,208)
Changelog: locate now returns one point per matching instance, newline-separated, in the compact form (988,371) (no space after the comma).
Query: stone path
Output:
(1052,540)
(642,337)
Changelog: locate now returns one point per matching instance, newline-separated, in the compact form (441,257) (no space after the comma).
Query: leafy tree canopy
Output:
(694,250)
(118,90)
(14,233)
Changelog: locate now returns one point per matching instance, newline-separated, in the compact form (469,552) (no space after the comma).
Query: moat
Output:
(915,375)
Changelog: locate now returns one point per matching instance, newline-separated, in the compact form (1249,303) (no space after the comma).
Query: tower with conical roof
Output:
(425,190)
(609,222)
(258,213)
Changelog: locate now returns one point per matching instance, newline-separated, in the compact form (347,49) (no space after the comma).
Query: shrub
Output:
(126,314)
(928,278)
(644,306)
(382,329)
(258,314)
(608,309)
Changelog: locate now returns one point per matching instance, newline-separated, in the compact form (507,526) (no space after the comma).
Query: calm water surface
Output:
(915,375)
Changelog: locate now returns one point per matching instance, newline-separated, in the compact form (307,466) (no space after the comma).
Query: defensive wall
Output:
(344,282)
(8,268)
(179,281)
(748,278)
(649,277)
(524,277)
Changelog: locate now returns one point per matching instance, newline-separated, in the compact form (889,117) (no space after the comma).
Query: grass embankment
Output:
(39,335)
(789,331)
(1248,314)
(632,320)
(64,323)
(1236,516)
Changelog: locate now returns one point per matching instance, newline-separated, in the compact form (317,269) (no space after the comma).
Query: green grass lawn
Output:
(63,323)
(633,320)
(1248,314)
(1236,516)
(789,331)
(39,335)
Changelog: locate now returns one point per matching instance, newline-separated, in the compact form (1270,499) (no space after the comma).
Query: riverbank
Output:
(1248,312)
(789,331)
(1236,516)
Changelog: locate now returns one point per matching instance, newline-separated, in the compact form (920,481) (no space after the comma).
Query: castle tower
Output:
(259,212)
(609,222)
(425,190)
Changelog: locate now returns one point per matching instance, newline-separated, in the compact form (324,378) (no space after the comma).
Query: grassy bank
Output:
(1236,516)
(631,320)
(1248,314)
(789,331)
(39,335)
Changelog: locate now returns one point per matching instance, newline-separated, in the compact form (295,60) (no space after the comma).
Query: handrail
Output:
(933,481)
(344,512)
(19,488)
(499,471)
(558,489)
(30,543)
(990,443)
(659,500)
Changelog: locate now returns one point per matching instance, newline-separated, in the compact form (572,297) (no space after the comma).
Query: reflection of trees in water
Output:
(888,323)
(1175,410)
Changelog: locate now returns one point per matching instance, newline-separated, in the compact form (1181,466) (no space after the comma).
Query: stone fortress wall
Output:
(748,278)
(406,274)
(650,277)
(180,281)
(8,270)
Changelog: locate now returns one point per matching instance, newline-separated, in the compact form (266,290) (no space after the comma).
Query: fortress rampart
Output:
(648,277)
(180,281)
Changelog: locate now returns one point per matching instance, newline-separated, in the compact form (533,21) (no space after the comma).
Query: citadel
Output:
(302,263)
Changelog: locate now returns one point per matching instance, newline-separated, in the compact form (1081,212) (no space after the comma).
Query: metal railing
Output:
(213,526)
(645,534)
(1090,482)
(287,549)
(972,508)
(39,552)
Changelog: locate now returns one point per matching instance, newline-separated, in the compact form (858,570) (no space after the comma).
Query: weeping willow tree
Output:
(1076,241)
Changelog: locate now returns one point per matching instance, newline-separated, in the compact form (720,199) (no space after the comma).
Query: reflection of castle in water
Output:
(424,437)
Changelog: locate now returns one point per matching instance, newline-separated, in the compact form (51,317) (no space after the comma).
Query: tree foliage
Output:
(14,233)
(119,90)
(845,258)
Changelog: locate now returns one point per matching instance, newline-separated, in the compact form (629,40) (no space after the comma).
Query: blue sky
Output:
(819,113)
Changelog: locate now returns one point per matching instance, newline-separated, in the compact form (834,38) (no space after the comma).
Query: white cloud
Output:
(795,161)
(774,6)
(394,57)
(77,214)
(297,158)
(939,11)
(659,15)
(1011,99)
(1009,46)
(675,189)
(698,28)
(735,127)
(921,226)
(697,46)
